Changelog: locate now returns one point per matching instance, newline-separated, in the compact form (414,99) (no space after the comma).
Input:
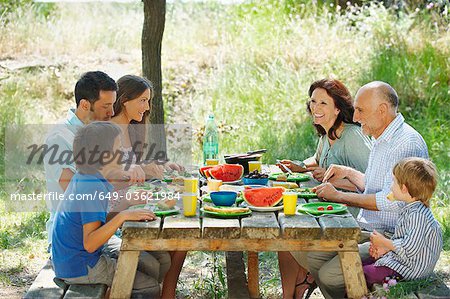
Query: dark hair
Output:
(90,84)
(93,146)
(131,87)
(342,100)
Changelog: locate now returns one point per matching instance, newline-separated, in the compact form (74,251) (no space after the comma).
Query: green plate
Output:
(159,213)
(224,215)
(312,208)
(294,177)
(207,198)
(305,193)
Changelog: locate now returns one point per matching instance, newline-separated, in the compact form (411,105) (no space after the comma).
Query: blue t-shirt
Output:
(85,201)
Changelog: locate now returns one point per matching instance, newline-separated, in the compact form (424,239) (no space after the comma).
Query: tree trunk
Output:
(152,34)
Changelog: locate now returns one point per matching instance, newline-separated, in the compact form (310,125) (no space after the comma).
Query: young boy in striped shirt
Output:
(416,244)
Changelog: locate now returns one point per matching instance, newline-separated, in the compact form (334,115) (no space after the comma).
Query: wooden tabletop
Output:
(261,231)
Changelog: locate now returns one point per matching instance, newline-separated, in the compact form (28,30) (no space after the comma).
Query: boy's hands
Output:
(377,252)
(138,215)
(379,245)
(378,239)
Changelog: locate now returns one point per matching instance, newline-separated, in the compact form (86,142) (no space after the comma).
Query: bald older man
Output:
(376,106)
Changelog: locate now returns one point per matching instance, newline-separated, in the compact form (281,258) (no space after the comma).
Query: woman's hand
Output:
(317,172)
(136,174)
(289,164)
(138,215)
(154,170)
(174,166)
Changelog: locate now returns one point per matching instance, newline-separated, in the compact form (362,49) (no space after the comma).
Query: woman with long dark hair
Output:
(131,110)
(341,142)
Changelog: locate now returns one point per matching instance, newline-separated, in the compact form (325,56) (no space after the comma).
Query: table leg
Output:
(125,273)
(355,282)
(253,274)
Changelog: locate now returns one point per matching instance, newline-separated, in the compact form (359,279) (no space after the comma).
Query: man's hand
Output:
(326,191)
(154,170)
(138,215)
(317,172)
(136,174)
(337,172)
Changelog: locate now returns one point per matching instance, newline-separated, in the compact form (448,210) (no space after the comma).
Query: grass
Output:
(250,64)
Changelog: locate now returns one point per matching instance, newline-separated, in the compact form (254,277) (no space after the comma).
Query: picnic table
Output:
(262,231)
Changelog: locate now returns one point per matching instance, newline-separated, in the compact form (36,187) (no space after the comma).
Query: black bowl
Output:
(242,160)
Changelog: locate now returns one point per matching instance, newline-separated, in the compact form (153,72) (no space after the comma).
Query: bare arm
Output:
(345,172)
(329,193)
(343,184)
(64,179)
(365,201)
(311,162)
(95,234)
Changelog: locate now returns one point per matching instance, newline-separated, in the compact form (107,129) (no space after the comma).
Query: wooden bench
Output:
(44,286)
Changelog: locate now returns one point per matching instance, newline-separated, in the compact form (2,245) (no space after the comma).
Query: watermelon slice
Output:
(226,172)
(263,197)
(203,169)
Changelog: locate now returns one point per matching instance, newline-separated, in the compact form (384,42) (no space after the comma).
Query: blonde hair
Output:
(419,176)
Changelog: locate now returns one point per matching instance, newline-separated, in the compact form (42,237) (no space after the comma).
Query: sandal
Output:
(310,286)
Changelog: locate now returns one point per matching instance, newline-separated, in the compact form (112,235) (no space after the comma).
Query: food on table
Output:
(290,177)
(320,209)
(330,208)
(226,210)
(282,178)
(256,175)
(179,180)
(204,168)
(287,185)
(167,204)
(263,197)
(226,172)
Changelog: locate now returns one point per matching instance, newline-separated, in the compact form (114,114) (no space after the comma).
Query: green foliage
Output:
(16,228)
(9,6)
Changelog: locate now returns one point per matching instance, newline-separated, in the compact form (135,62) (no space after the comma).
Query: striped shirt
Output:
(417,242)
(398,141)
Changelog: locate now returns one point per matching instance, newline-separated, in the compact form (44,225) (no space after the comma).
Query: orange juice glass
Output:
(212,161)
(254,165)
(189,204)
(289,202)
(191,185)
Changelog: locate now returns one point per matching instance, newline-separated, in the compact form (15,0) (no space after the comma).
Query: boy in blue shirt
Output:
(80,229)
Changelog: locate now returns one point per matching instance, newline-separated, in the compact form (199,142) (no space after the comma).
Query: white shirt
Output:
(398,141)
(61,136)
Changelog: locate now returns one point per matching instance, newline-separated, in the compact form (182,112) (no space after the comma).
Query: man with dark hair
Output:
(95,95)
(376,106)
